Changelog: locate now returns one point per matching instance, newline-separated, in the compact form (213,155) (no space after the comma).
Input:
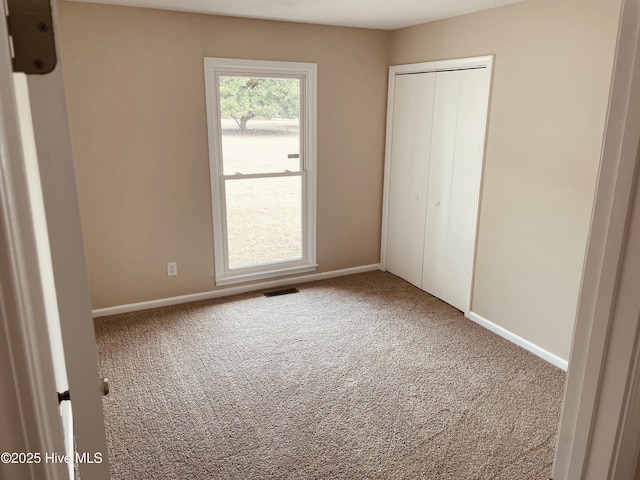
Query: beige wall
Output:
(136,99)
(552,70)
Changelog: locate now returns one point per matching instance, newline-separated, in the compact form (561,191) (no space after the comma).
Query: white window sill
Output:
(233,278)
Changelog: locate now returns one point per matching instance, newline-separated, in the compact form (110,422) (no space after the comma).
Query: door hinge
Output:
(30,28)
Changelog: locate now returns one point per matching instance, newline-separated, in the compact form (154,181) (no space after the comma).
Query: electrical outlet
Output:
(172,269)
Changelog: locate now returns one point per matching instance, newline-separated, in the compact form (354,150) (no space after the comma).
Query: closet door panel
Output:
(456,158)
(466,170)
(445,117)
(411,144)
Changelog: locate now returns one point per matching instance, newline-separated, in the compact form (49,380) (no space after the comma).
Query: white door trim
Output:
(32,421)
(426,67)
(38,423)
(59,191)
(603,375)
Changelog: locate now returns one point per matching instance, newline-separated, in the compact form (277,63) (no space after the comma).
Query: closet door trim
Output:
(485,62)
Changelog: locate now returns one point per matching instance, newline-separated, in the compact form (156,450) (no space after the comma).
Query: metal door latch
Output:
(64,396)
(30,28)
(104,388)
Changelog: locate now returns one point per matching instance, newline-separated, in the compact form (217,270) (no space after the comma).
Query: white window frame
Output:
(307,74)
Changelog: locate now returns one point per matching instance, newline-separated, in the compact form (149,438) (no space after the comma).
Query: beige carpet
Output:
(360,377)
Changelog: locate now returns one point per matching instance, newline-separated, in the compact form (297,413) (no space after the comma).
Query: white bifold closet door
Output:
(410,147)
(436,159)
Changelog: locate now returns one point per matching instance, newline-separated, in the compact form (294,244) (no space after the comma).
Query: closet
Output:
(435,146)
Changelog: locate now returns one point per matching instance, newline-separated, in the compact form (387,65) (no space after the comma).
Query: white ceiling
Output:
(383,14)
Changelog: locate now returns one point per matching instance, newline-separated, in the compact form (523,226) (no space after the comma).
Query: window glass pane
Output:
(264,220)
(260,120)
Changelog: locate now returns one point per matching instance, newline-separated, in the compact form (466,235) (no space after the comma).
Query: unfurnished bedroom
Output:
(338,239)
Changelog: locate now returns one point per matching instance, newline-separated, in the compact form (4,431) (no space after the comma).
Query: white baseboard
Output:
(526,344)
(227,291)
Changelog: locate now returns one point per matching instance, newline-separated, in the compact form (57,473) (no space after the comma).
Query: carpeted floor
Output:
(360,377)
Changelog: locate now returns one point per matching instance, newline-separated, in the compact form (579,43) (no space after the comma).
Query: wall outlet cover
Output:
(172,269)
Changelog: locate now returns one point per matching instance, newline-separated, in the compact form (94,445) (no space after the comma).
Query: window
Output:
(261,124)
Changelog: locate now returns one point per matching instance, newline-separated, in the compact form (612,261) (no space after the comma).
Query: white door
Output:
(456,160)
(437,116)
(40,167)
(410,147)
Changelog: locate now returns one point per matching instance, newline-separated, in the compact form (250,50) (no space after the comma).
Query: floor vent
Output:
(284,291)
